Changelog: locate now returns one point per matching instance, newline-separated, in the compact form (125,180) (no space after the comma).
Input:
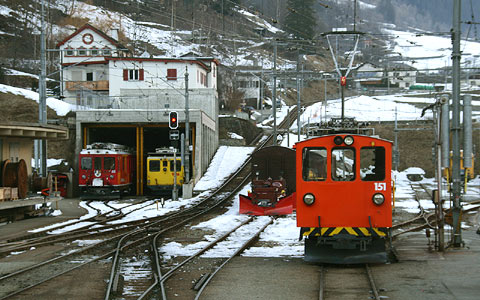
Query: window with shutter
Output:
(171,74)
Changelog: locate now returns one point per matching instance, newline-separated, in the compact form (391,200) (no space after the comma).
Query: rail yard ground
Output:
(420,273)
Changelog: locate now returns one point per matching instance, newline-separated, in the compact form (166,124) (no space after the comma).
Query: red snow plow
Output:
(273,183)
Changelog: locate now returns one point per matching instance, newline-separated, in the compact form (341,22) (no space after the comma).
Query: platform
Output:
(30,201)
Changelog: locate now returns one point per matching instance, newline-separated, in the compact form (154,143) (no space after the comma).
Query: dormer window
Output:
(70,52)
(95,52)
(82,52)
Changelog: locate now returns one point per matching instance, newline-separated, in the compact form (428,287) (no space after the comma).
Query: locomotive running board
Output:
(321,253)
(284,206)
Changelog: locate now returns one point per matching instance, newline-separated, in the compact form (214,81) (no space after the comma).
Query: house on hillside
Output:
(115,91)
(397,75)
(402,75)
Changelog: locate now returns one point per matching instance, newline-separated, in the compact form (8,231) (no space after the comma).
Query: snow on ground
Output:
(60,107)
(225,161)
(424,51)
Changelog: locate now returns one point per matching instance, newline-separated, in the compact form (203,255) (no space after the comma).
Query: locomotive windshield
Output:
(314,164)
(179,165)
(343,164)
(154,166)
(98,163)
(86,163)
(372,163)
(109,163)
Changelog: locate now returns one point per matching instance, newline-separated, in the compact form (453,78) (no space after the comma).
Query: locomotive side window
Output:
(343,164)
(314,164)
(154,166)
(98,163)
(109,163)
(372,163)
(86,163)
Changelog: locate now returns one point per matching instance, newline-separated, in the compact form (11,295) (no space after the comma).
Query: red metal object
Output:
(106,170)
(344,203)
(343,81)
(284,206)
(273,183)
(337,179)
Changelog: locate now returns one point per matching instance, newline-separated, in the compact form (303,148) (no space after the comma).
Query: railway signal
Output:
(173,120)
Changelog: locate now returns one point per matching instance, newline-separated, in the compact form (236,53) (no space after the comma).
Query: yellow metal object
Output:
(356,231)
(164,175)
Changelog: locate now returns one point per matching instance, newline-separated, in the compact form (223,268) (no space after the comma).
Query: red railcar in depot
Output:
(106,171)
(273,183)
(344,198)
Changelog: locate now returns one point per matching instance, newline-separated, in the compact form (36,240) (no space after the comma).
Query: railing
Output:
(101,85)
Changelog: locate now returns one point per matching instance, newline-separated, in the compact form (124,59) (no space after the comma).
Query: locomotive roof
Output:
(106,148)
(345,134)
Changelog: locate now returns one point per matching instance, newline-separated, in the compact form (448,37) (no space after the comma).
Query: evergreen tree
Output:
(224,6)
(300,20)
(388,11)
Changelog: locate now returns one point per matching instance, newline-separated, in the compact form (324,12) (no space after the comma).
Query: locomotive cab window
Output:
(343,164)
(86,163)
(179,165)
(314,164)
(154,166)
(372,163)
(109,163)
(98,163)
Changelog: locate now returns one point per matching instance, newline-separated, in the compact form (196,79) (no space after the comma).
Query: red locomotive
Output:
(106,170)
(273,183)
(344,198)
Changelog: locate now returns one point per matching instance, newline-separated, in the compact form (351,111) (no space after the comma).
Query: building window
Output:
(82,52)
(95,52)
(70,52)
(171,74)
(133,74)
(89,76)
(107,52)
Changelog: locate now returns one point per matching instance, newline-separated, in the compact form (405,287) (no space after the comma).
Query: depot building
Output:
(128,100)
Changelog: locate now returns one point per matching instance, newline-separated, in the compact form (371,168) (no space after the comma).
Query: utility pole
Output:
(274,94)
(298,97)
(42,103)
(187,131)
(456,195)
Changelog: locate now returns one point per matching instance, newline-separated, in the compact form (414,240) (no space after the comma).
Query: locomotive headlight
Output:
(348,140)
(111,176)
(84,177)
(308,199)
(378,199)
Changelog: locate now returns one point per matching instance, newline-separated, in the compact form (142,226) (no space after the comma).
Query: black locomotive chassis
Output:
(345,249)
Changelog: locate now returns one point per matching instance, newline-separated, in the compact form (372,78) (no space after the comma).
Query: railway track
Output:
(425,219)
(347,283)
(127,238)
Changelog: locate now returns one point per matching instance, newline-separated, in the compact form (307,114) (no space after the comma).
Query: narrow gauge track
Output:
(424,219)
(347,283)
(28,278)
(116,278)
(97,226)
(157,283)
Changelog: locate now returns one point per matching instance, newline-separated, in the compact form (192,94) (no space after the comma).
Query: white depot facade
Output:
(115,92)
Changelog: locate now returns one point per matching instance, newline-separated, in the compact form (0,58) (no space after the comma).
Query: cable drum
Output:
(14,174)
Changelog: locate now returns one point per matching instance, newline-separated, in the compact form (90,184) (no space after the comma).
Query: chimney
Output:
(114,33)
